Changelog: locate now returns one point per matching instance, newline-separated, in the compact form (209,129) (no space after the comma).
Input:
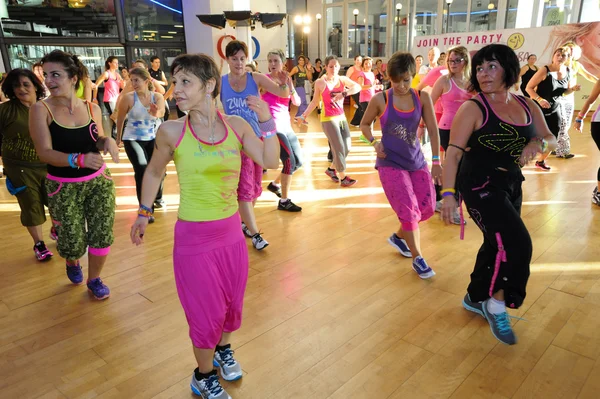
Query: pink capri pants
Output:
(410,193)
(210,261)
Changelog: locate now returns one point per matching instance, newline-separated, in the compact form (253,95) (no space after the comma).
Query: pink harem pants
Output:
(410,193)
(210,262)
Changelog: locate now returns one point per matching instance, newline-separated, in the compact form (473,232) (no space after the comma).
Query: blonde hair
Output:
(570,33)
(464,53)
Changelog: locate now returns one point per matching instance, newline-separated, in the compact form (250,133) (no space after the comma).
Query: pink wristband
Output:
(436,163)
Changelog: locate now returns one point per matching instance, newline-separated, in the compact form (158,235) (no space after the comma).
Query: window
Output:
(377,28)
(154,20)
(47,18)
(425,17)
(400,25)
(166,55)
(590,11)
(556,12)
(457,20)
(333,30)
(483,15)
(357,20)
(24,56)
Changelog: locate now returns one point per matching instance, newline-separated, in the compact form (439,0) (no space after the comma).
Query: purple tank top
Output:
(399,135)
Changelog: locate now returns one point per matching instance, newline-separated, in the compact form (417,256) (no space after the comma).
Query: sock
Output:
(284,200)
(200,376)
(275,184)
(331,169)
(72,263)
(220,348)
(495,306)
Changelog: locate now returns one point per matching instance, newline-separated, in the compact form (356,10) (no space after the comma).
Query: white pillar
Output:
(242,29)
(196,30)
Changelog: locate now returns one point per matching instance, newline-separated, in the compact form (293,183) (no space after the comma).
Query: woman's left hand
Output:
(259,106)
(530,152)
(436,173)
(110,146)
(576,88)
(153,110)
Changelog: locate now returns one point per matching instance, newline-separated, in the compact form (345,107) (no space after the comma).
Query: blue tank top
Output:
(141,126)
(234,103)
(399,135)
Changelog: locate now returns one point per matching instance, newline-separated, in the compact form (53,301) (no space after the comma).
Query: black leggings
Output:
(596,137)
(494,203)
(140,153)
(358,115)
(114,124)
(444,141)
(291,152)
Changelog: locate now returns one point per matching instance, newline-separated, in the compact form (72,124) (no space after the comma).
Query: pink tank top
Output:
(355,74)
(451,102)
(111,88)
(279,109)
(367,94)
(332,109)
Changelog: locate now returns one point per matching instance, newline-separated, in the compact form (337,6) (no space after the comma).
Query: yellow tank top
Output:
(415,82)
(80,93)
(208,175)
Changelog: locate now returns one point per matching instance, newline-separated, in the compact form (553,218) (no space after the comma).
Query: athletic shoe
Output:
(500,325)
(159,203)
(246,230)
(422,268)
(75,274)
(41,252)
(596,197)
(209,388)
(230,368)
(151,220)
(347,182)
(475,307)
(400,245)
(553,152)
(288,206)
(364,139)
(98,289)
(566,156)
(542,165)
(53,233)
(456,218)
(438,206)
(275,189)
(259,242)
(333,175)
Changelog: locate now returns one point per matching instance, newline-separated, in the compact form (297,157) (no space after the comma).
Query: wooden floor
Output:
(331,310)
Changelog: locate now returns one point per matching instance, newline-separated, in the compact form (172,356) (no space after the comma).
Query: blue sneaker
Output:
(75,274)
(400,245)
(500,325)
(98,289)
(422,268)
(475,307)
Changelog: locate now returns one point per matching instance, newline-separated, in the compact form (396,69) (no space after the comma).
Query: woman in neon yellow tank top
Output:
(210,256)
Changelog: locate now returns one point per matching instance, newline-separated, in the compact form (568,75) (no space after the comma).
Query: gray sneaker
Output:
(475,307)
(259,242)
(209,388)
(230,368)
(500,325)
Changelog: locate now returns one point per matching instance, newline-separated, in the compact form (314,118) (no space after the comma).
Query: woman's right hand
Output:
(544,103)
(93,160)
(138,229)
(379,150)
(578,126)
(449,205)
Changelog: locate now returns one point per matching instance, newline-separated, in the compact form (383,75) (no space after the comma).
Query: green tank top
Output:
(80,93)
(208,175)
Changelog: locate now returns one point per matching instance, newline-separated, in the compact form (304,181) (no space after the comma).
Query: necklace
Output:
(212,125)
(234,84)
(69,108)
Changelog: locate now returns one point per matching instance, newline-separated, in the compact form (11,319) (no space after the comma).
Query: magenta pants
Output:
(210,261)
(410,193)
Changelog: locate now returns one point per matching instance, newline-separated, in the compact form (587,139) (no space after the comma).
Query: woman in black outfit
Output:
(503,132)
(546,87)
(527,72)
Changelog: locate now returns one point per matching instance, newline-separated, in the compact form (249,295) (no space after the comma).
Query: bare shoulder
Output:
(169,132)
(236,122)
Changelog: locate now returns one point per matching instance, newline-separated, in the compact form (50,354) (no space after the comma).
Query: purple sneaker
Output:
(75,274)
(98,289)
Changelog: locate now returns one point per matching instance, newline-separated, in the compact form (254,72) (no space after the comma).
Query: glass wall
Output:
(426,18)
(24,56)
(166,55)
(377,28)
(590,11)
(58,18)
(457,20)
(400,13)
(154,20)
(333,30)
(357,19)
(483,15)
(556,12)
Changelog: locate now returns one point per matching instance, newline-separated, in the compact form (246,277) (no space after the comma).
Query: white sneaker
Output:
(259,242)
(230,368)
(438,206)
(209,388)
(456,218)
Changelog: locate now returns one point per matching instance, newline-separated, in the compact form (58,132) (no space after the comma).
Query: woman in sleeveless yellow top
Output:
(210,257)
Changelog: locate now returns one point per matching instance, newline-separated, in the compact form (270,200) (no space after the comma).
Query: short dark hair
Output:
(329,59)
(356,56)
(401,63)
(11,80)
(531,55)
(502,54)
(154,57)
(200,65)
(301,57)
(419,56)
(234,46)
(70,62)
(318,60)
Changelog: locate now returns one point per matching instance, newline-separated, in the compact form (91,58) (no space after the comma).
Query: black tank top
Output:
(157,75)
(551,89)
(526,78)
(81,139)
(497,143)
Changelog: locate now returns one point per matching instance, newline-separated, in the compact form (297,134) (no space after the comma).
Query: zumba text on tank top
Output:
(234,103)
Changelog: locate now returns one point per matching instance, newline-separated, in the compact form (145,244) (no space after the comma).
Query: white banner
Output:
(539,41)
